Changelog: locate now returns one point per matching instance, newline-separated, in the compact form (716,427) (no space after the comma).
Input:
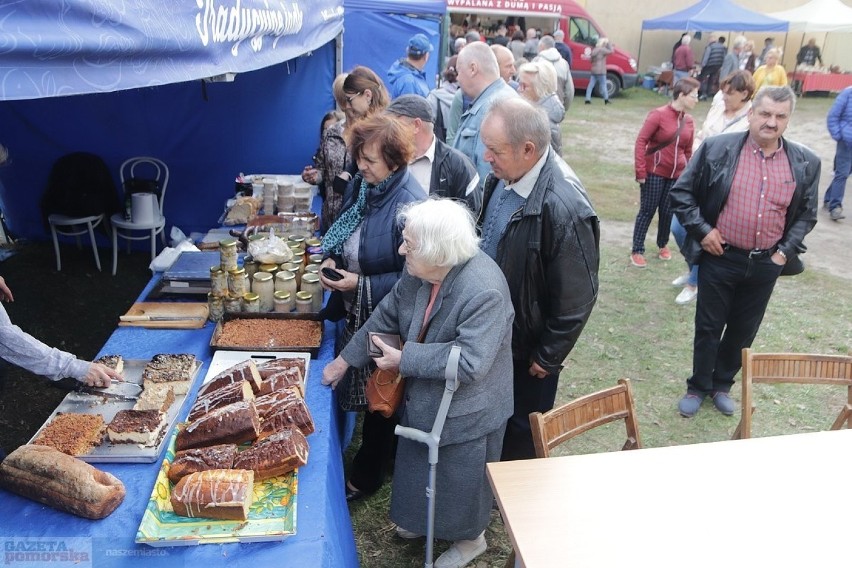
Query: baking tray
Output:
(84,403)
(226,358)
(272,515)
(312,349)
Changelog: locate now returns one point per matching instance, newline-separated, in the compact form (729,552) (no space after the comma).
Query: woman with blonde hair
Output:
(771,73)
(537,84)
(598,73)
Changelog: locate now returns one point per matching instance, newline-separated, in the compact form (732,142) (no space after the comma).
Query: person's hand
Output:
(347,283)
(390,356)
(536,370)
(641,183)
(309,175)
(713,243)
(100,376)
(334,371)
(778,258)
(5,292)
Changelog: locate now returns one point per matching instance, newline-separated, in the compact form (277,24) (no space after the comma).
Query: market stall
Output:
(805,82)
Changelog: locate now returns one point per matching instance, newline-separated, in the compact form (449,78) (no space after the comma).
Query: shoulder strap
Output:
(659,147)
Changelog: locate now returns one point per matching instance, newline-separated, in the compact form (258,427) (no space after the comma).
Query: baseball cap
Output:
(412,106)
(419,44)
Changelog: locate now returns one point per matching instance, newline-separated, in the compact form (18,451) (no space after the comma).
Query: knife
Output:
(132,318)
(83,389)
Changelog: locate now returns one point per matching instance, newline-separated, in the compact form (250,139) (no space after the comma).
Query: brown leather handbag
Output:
(385,387)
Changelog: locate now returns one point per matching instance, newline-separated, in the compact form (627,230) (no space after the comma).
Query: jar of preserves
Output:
(215,307)
(269,268)
(250,265)
(251,303)
(297,240)
(304,303)
(314,259)
(284,302)
(285,281)
(312,269)
(299,259)
(313,246)
(228,254)
(233,304)
(238,282)
(263,286)
(218,281)
(311,283)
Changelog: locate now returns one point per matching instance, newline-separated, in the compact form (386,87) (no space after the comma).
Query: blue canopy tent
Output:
(211,88)
(377,33)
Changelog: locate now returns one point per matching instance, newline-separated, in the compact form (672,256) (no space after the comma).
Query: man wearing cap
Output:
(444,171)
(406,76)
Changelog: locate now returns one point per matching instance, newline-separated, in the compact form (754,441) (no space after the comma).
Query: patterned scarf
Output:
(345,225)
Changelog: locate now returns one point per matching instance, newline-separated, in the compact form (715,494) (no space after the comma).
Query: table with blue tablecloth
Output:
(323,536)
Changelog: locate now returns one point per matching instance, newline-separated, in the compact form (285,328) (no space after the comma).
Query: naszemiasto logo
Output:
(224,22)
(47,552)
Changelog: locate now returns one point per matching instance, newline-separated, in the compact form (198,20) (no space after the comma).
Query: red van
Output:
(581,33)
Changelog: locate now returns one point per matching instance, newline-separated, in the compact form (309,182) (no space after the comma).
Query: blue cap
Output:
(419,44)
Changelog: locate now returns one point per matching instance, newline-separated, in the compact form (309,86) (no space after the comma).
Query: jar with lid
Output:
(284,302)
(215,307)
(297,240)
(314,259)
(268,267)
(228,254)
(238,282)
(285,281)
(263,286)
(299,259)
(233,304)
(312,269)
(251,303)
(304,303)
(296,269)
(218,281)
(250,265)
(311,283)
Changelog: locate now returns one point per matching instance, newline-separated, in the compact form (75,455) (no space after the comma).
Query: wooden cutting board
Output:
(179,315)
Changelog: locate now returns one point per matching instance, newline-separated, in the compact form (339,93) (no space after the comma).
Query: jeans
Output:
(679,234)
(601,81)
(842,168)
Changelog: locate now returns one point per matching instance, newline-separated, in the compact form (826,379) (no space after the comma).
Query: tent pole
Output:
(639,53)
(338,54)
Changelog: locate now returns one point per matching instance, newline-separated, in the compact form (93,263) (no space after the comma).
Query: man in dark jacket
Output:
(537,222)
(438,168)
(711,65)
(746,201)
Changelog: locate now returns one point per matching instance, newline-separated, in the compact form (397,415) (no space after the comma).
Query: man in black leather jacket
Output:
(746,201)
(538,224)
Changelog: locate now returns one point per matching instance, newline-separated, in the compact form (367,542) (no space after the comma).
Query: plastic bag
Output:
(272,249)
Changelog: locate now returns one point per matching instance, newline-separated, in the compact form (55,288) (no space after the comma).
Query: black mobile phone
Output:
(331,274)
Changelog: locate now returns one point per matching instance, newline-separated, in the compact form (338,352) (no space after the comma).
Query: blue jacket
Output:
(405,79)
(840,117)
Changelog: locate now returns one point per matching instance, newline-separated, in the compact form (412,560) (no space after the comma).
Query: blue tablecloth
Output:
(323,528)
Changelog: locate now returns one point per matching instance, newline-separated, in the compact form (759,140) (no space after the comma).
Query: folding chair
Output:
(802,368)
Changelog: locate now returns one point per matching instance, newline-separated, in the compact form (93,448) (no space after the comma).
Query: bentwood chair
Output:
(801,368)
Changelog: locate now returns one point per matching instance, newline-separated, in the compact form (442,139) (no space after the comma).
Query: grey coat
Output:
(473,310)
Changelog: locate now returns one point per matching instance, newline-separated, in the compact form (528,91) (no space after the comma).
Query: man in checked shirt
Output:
(747,200)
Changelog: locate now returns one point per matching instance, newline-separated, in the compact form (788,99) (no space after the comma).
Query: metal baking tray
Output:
(312,349)
(85,403)
(227,358)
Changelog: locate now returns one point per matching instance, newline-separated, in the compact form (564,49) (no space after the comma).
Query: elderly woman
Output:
(363,247)
(537,84)
(603,48)
(771,73)
(456,290)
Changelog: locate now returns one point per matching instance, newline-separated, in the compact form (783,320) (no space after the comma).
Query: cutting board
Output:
(195,314)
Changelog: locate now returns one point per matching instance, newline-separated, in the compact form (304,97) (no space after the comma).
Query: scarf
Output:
(345,225)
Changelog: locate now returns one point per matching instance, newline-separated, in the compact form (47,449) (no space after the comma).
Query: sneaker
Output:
(638,259)
(588,102)
(606,102)
(665,254)
(836,214)
(407,535)
(723,403)
(686,295)
(689,404)
(681,280)
(461,553)
(825,205)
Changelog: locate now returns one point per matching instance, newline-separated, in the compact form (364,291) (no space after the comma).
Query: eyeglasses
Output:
(351,98)
(693,95)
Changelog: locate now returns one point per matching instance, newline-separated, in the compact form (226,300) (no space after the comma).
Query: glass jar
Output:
(238,282)
(304,303)
(218,281)
(251,303)
(311,283)
(297,240)
(263,286)
(314,259)
(285,281)
(233,304)
(313,246)
(228,254)
(312,269)
(284,302)
(250,265)
(269,268)
(299,259)
(294,268)
(215,307)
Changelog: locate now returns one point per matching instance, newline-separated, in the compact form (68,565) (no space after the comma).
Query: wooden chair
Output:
(665,81)
(564,422)
(803,368)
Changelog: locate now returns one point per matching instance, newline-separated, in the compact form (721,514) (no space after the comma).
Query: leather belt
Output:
(752,254)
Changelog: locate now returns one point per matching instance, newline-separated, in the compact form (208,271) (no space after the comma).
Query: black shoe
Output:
(606,102)
(354,494)
(588,102)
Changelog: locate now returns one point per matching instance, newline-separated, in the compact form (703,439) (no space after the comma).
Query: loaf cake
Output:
(284,379)
(243,371)
(216,494)
(72,433)
(277,454)
(283,409)
(201,459)
(176,370)
(228,394)
(156,396)
(232,424)
(115,362)
(141,427)
(273,366)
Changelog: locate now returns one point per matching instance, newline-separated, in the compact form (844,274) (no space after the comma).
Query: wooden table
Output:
(778,501)
(807,82)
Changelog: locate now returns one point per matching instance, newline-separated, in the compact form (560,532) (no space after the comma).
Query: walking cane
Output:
(432,439)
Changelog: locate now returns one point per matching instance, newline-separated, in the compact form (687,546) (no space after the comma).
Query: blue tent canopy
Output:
(716,15)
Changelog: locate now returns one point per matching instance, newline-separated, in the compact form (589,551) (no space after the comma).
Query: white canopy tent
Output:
(818,16)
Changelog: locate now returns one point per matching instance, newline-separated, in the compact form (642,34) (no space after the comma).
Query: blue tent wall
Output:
(266,121)
(715,15)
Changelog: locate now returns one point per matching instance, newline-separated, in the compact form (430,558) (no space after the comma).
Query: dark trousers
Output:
(733,292)
(709,78)
(531,395)
(378,443)
(654,197)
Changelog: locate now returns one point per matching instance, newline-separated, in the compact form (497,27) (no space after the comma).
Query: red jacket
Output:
(660,127)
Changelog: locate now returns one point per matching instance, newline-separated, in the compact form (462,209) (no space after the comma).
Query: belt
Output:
(751,254)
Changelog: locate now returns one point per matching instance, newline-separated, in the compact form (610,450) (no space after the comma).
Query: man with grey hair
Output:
(537,223)
(479,79)
(506,63)
(732,58)
(747,200)
(564,80)
(564,50)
